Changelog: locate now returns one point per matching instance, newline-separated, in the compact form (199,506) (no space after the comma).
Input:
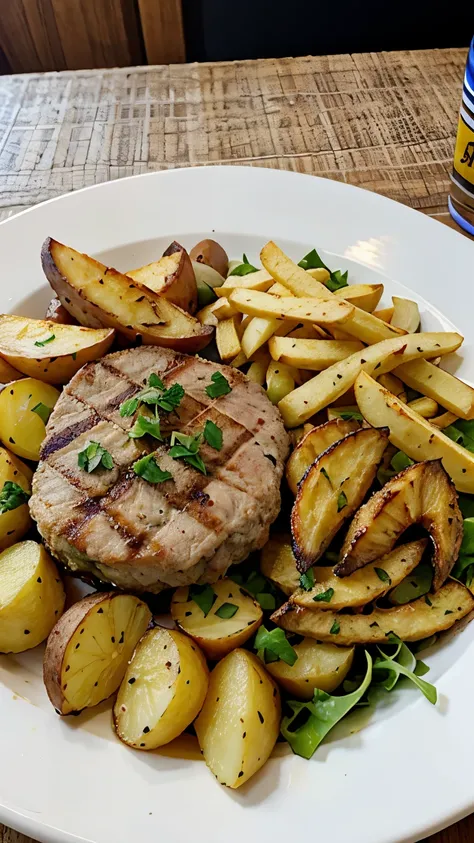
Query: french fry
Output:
(279,290)
(222,309)
(259,330)
(311,353)
(303,309)
(206,315)
(385,314)
(280,381)
(319,274)
(227,338)
(260,280)
(426,407)
(406,314)
(393,384)
(444,420)
(365,296)
(447,390)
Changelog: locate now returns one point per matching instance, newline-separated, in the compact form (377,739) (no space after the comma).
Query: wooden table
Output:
(385,122)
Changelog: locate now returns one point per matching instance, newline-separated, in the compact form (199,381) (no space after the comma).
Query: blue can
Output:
(461,200)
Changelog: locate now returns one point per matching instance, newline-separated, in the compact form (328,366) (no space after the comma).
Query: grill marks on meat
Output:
(130,530)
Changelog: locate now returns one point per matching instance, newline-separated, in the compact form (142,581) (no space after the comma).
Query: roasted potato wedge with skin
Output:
(172,277)
(240,720)
(322,666)
(89,648)
(22,430)
(67,347)
(331,491)
(412,433)
(55,312)
(362,586)
(313,444)
(278,563)
(211,253)
(405,314)
(98,296)
(162,691)
(303,309)
(421,494)
(14,523)
(365,296)
(452,393)
(31,596)
(314,354)
(217,635)
(378,359)
(411,622)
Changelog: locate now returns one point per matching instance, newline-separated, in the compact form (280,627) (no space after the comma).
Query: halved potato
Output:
(405,314)
(314,354)
(303,309)
(365,296)
(162,691)
(227,338)
(89,648)
(280,380)
(322,666)
(49,351)
(15,518)
(413,434)
(240,720)
(55,312)
(331,491)
(171,277)
(278,563)
(24,405)
(8,373)
(98,296)
(452,393)
(210,253)
(361,587)
(31,596)
(411,622)
(421,494)
(313,444)
(233,618)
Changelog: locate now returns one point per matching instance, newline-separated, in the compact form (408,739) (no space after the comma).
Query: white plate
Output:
(409,771)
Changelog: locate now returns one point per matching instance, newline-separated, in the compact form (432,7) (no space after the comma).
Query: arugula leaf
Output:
(336,279)
(421,668)
(414,585)
(307,580)
(145,425)
(94,456)
(213,435)
(12,496)
(188,441)
(403,664)
(244,268)
(267,601)
(398,463)
(276,643)
(325,597)
(42,411)
(464,567)
(219,386)
(226,611)
(326,475)
(204,596)
(310,722)
(148,468)
(41,343)
(462,432)
(382,575)
(341,501)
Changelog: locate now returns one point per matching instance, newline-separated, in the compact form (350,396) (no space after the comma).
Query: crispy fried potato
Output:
(363,586)
(240,720)
(314,354)
(260,280)
(313,444)
(278,563)
(55,312)
(98,296)
(425,407)
(322,666)
(15,518)
(49,351)
(162,691)
(280,380)
(89,648)
(259,330)
(319,274)
(365,296)
(378,359)
(444,420)
(222,629)
(172,277)
(411,622)
(277,289)
(303,309)
(211,253)
(24,405)
(393,384)
(227,338)
(441,386)
(412,433)
(421,494)
(222,309)
(31,596)
(405,314)
(385,314)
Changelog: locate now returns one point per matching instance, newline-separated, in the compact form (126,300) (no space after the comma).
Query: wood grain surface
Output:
(385,122)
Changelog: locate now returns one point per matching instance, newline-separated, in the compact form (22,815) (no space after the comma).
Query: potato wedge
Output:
(421,494)
(322,666)
(378,359)
(55,312)
(227,338)
(393,384)
(412,433)
(207,316)
(89,648)
(314,354)
(365,296)
(211,253)
(172,277)
(260,280)
(240,720)
(278,563)
(234,617)
(280,380)
(15,518)
(98,296)
(303,309)
(411,622)
(24,405)
(385,314)
(331,491)
(314,443)
(441,386)
(31,596)
(8,373)
(49,351)
(364,326)
(405,315)
(425,407)
(363,586)
(162,691)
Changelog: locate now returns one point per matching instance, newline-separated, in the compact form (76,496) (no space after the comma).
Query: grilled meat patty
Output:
(146,536)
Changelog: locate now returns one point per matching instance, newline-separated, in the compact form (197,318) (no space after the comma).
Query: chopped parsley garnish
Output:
(149,470)
(129,407)
(154,395)
(307,580)
(335,629)
(336,280)
(12,496)
(41,343)
(341,501)
(326,475)
(146,425)
(219,386)
(42,411)
(266,600)
(382,575)
(325,597)
(187,449)
(244,268)
(204,596)
(94,456)
(226,611)
(349,415)
(272,645)
(155,381)
(213,435)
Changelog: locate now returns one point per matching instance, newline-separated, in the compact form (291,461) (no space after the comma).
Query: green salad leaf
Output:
(187,449)
(398,463)
(307,580)
(464,567)
(12,496)
(94,456)
(146,425)
(204,596)
(337,279)
(402,663)
(213,435)
(219,386)
(42,411)
(226,611)
(244,268)
(272,645)
(462,432)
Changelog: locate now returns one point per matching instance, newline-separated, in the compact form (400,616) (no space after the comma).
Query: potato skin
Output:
(185,275)
(212,254)
(55,312)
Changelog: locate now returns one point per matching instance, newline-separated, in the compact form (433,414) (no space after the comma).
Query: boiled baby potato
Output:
(55,312)
(233,618)
(89,648)
(172,277)
(211,253)
(313,444)
(49,351)
(31,596)
(163,690)
(99,296)
(240,720)
(25,407)
(322,666)
(8,373)
(15,489)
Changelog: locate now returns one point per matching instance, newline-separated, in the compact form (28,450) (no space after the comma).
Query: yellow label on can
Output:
(464,153)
